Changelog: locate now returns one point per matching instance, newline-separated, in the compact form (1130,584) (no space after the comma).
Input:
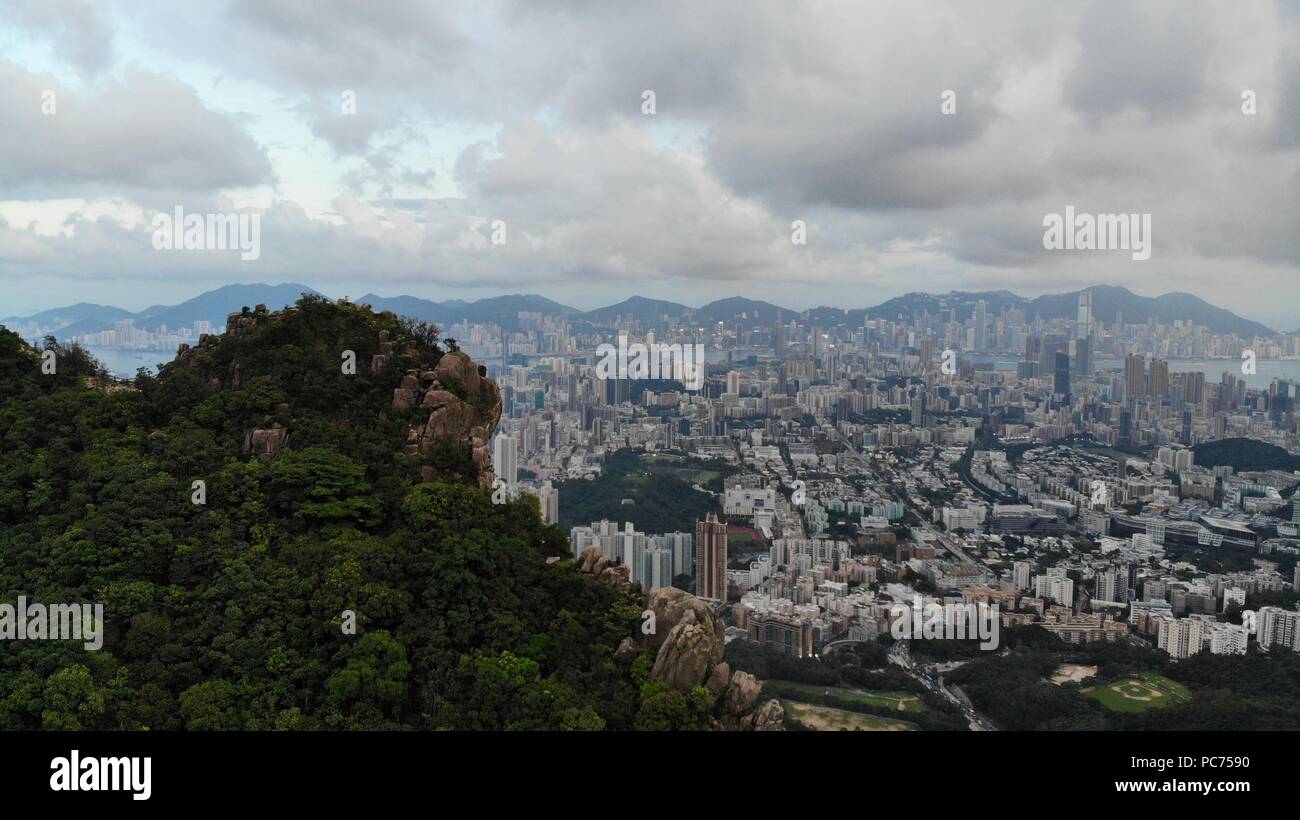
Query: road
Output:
(900,654)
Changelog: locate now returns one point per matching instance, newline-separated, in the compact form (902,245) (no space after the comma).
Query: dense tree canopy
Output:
(232,614)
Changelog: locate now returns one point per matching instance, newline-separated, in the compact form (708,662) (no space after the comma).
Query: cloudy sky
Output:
(532,113)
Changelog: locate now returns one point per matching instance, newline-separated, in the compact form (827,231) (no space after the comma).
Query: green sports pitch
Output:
(1137,694)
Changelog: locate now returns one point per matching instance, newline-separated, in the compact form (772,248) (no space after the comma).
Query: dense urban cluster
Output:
(1054,467)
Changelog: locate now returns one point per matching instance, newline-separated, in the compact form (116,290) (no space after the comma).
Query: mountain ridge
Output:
(1109,303)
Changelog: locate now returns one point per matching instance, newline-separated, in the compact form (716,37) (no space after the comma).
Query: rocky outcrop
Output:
(266,442)
(688,641)
(611,572)
(463,405)
(627,646)
(718,679)
(770,717)
(670,605)
(244,321)
(742,695)
(688,654)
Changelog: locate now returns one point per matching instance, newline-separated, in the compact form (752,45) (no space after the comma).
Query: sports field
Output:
(826,719)
(900,701)
(1146,691)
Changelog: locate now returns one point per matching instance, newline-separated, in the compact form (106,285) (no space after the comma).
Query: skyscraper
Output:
(1061,385)
(548,497)
(981,326)
(1083,335)
(733,382)
(1107,585)
(711,558)
(505,458)
(1135,377)
(1158,381)
(918,409)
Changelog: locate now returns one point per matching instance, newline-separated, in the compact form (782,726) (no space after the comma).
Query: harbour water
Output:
(124,363)
(1266,370)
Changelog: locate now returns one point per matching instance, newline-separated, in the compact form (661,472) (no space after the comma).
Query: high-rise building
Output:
(1021,574)
(1061,384)
(656,568)
(1107,585)
(711,558)
(505,458)
(1056,588)
(1135,377)
(1182,637)
(1278,627)
(1083,335)
(548,497)
(1158,381)
(733,382)
(981,326)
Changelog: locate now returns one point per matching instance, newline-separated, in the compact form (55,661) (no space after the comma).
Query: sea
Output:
(124,363)
(1266,370)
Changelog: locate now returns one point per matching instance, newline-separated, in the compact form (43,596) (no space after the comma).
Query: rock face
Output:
(688,641)
(770,717)
(593,563)
(718,678)
(463,405)
(689,653)
(743,694)
(670,605)
(266,442)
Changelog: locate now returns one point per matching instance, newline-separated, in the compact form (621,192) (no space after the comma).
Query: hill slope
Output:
(337,573)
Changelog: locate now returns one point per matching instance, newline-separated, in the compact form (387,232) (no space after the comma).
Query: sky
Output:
(379,144)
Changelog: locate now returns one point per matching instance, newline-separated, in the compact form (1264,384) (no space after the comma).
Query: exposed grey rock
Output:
(626,647)
(688,654)
(670,605)
(265,443)
(742,694)
(770,717)
(717,682)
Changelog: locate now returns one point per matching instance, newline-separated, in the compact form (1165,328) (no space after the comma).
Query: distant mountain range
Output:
(1108,304)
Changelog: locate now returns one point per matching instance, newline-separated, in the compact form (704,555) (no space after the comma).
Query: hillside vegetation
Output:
(231,614)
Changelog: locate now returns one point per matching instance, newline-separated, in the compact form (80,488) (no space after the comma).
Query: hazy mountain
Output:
(503,310)
(641,308)
(215,304)
(1110,301)
(1107,303)
(738,308)
(412,306)
(939,304)
(80,312)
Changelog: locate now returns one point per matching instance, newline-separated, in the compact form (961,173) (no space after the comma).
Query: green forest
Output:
(1260,691)
(230,614)
(1245,454)
(661,502)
